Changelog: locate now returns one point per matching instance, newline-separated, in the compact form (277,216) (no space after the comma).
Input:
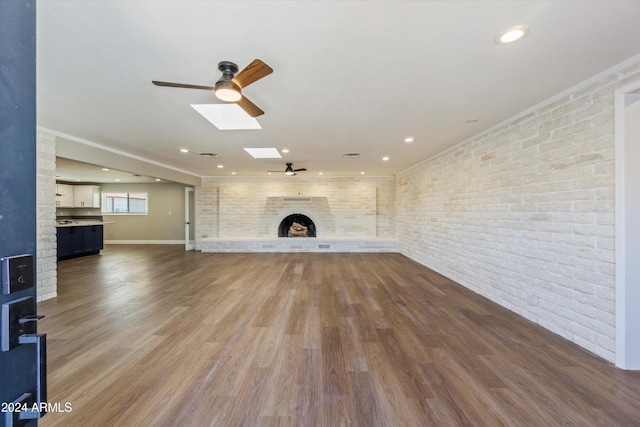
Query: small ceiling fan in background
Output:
(229,87)
(290,171)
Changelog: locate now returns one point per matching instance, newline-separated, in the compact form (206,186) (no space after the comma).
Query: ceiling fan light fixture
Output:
(225,91)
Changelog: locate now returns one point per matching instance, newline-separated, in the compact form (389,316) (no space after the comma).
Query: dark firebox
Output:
(297,225)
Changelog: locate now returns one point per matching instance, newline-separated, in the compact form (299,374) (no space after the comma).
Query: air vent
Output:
(351,155)
(210,154)
(296,199)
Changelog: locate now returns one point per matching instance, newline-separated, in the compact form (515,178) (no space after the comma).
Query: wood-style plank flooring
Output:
(155,336)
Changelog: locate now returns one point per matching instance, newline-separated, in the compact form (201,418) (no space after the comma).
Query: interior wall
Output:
(244,207)
(164,222)
(46,263)
(628,227)
(524,213)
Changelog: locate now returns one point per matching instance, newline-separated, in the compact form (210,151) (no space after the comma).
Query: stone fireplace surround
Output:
(350,215)
(315,216)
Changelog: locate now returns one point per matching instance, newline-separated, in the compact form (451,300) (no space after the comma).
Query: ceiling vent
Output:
(296,199)
(210,154)
(351,155)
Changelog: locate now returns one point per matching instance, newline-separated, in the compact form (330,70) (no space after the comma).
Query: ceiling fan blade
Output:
(181,85)
(300,170)
(252,109)
(253,72)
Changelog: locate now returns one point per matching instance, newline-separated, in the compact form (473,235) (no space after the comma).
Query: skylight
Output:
(263,153)
(227,116)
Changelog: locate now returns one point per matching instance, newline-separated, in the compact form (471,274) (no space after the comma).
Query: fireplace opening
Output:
(297,225)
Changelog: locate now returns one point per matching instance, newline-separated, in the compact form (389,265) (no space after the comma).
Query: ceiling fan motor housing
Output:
(228,69)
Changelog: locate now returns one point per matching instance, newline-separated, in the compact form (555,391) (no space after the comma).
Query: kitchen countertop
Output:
(74,223)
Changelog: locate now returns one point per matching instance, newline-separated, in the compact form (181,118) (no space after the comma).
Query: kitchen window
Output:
(125,203)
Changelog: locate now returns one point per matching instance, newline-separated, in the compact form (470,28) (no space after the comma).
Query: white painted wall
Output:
(524,213)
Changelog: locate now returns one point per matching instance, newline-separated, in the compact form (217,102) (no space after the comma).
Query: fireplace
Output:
(297,225)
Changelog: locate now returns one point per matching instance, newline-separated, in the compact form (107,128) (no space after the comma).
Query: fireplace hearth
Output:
(297,225)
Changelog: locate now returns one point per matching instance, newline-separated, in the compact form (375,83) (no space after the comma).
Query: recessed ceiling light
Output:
(408,139)
(233,173)
(361,173)
(117,180)
(268,173)
(284,150)
(220,166)
(511,35)
(106,169)
(158,179)
(263,153)
(184,150)
(319,173)
(385,158)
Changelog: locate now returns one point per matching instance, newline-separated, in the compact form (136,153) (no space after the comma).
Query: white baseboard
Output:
(144,242)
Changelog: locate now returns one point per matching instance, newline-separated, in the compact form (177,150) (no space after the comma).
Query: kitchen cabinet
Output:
(92,238)
(64,196)
(86,196)
(79,240)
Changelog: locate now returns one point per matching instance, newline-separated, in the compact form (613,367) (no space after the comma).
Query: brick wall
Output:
(524,213)
(248,207)
(46,248)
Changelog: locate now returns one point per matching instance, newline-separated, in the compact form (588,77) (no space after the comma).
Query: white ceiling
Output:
(349,76)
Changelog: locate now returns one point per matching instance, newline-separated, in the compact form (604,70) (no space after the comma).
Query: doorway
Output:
(627,231)
(189,220)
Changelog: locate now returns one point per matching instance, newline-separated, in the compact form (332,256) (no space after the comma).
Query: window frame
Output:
(105,195)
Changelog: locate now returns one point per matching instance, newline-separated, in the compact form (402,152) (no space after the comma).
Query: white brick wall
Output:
(247,207)
(524,214)
(46,248)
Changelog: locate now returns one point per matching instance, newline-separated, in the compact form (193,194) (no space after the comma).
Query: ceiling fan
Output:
(228,88)
(290,171)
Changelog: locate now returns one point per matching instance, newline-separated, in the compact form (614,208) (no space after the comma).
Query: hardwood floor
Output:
(155,336)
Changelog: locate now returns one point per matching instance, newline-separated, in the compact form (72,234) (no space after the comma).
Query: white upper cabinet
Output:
(86,196)
(64,196)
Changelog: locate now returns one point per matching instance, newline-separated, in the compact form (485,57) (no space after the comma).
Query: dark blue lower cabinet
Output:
(77,240)
(63,237)
(80,240)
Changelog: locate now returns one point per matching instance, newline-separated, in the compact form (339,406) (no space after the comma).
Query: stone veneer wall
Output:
(524,213)
(247,207)
(46,247)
